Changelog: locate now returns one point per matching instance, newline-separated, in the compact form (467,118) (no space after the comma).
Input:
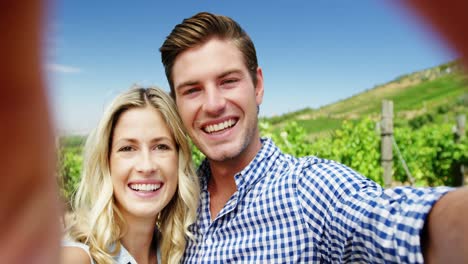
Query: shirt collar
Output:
(124,256)
(262,162)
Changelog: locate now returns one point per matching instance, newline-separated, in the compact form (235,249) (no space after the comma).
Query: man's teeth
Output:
(220,126)
(145,187)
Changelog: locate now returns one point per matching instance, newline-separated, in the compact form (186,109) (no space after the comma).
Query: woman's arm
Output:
(74,255)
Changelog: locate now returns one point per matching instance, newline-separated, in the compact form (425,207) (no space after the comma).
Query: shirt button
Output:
(209,241)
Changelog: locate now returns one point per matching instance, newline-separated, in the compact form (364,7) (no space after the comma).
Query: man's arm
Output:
(29,223)
(445,238)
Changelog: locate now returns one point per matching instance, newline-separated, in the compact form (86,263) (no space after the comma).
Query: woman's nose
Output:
(145,163)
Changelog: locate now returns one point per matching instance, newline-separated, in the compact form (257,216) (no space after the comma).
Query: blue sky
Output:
(312,52)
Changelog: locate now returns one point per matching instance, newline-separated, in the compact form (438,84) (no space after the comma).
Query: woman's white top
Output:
(123,257)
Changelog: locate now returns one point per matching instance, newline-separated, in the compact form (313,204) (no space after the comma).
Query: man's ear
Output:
(259,87)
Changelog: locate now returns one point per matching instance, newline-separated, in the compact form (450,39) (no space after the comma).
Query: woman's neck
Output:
(138,240)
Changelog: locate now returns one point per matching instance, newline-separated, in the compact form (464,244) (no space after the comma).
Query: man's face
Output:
(217,100)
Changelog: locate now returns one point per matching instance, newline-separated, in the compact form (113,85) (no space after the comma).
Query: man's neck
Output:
(222,184)
(227,168)
(221,189)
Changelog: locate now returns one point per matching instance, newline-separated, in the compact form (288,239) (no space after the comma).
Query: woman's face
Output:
(143,163)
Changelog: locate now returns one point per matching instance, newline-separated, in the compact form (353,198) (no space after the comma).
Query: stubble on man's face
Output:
(222,77)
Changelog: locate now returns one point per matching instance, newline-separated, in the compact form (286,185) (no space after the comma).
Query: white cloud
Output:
(62,68)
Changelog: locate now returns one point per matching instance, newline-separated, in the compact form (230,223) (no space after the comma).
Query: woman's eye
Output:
(125,149)
(162,147)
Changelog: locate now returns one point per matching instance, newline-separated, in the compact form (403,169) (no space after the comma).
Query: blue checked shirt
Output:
(309,210)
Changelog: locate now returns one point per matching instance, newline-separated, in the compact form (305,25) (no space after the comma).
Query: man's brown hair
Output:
(197,30)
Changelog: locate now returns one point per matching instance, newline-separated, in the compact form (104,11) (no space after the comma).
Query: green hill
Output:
(436,91)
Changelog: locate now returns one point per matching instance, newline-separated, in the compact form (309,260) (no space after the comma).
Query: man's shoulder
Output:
(329,175)
(311,164)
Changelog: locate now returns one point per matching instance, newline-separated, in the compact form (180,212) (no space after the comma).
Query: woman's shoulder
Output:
(75,252)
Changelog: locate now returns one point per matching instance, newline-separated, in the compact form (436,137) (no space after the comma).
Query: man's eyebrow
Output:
(222,75)
(187,83)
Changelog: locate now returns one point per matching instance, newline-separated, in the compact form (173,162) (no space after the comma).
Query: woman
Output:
(138,192)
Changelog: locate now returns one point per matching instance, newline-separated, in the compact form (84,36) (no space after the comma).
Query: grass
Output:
(443,89)
(410,93)
(320,124)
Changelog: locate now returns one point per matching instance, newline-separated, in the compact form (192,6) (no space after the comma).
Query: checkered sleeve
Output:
(359,222)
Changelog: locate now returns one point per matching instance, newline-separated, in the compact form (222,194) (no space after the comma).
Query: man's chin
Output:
(220,155)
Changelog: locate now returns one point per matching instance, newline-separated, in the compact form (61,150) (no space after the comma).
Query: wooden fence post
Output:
(460,129)
(459,169)
(386,147)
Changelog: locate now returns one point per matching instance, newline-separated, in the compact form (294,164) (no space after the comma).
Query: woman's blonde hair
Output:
(97,220)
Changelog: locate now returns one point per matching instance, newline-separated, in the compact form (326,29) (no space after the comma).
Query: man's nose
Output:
(214,101)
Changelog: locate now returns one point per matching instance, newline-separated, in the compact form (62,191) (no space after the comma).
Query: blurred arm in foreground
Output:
(446,230)
(28,198)
(446,18)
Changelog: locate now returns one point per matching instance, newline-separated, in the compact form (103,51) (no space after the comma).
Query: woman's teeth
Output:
(145,187)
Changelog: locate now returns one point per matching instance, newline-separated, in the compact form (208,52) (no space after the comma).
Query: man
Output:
(262,206)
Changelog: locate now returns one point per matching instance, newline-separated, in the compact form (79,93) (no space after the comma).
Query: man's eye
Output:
(191,90)
(125,149)
(229,81)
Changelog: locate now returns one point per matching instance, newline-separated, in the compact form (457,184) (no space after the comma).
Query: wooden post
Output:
(459,169)
(460,129)
(386,147)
